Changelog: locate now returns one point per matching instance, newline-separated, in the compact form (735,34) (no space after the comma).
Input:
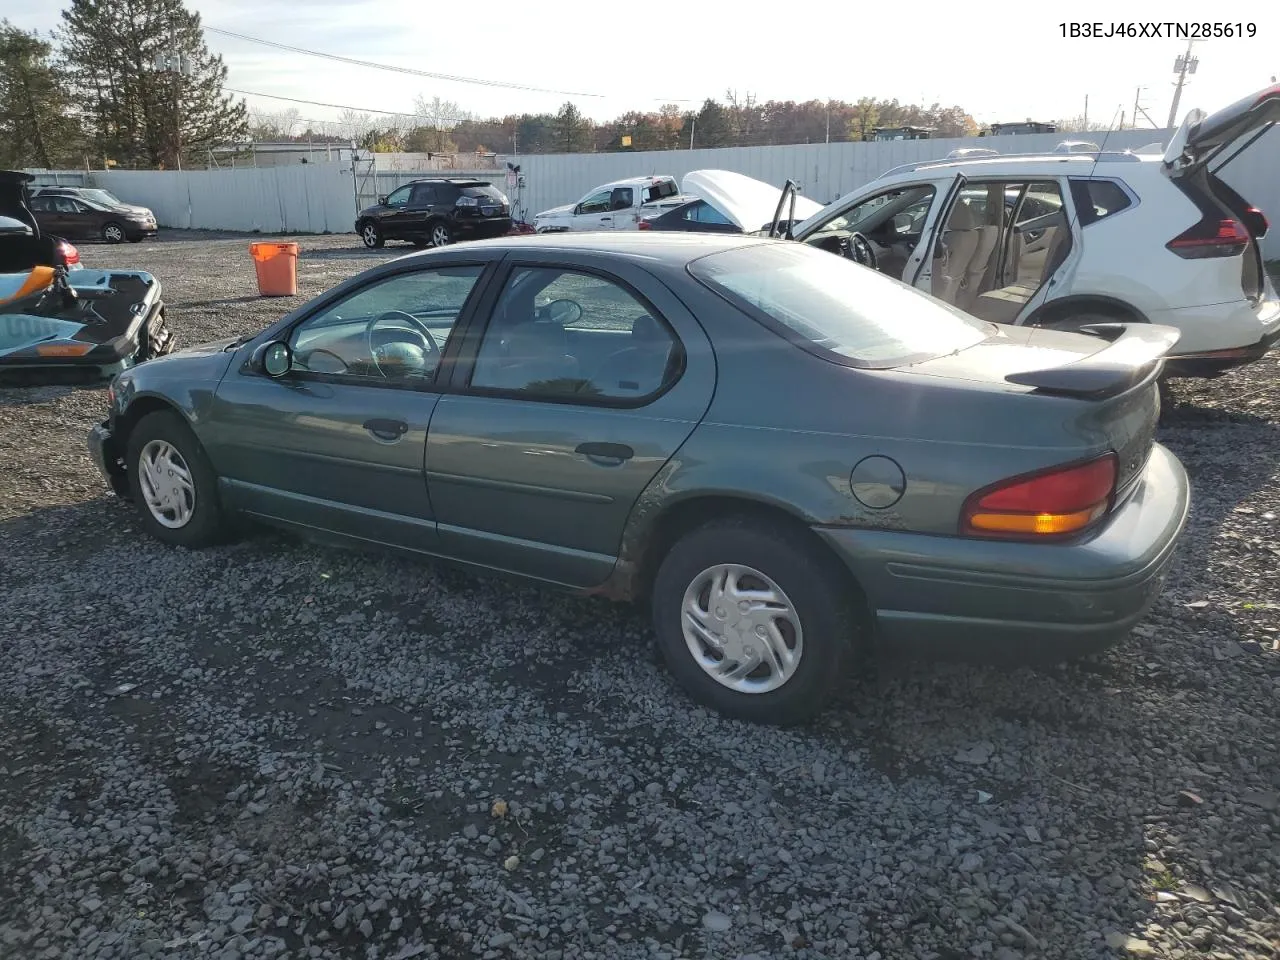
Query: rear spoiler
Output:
(1136,352)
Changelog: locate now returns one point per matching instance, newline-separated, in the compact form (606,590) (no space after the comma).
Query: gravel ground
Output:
(276,749)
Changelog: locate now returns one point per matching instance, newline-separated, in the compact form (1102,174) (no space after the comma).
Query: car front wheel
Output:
(753,621)
(172,482)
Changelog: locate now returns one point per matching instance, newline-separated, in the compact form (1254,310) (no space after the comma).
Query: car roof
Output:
(636,181)
(456,181)
(1015,164)
(671,249)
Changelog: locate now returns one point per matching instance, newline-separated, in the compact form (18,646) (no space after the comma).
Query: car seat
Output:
(535,351)
(639,368)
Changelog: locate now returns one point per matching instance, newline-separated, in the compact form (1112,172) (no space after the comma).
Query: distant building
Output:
(1026,126)
(902,133)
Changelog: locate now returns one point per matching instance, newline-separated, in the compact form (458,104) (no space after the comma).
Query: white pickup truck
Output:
(613,206)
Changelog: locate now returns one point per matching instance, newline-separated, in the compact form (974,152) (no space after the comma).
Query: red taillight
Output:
(1056,502)
(1212,237)
(643,225)
(1257,223)
(70,255)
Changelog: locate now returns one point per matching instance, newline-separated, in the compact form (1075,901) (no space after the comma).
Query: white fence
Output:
(321,197)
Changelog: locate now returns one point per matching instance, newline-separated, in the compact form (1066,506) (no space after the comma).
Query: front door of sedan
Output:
(585,381)
(337,443)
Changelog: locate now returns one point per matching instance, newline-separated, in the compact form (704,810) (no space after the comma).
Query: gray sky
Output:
(1000,60)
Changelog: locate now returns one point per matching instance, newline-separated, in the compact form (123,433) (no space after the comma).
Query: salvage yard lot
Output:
(282,749)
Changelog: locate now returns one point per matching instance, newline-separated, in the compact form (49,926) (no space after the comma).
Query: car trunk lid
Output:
(1112,374)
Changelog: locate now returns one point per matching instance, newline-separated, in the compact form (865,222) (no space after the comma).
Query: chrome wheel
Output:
(113,233)
(370,235)
(742,629)
(440,235)
(166,484)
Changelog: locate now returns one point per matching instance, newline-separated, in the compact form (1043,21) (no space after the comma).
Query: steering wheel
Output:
(419,327)
(859,249)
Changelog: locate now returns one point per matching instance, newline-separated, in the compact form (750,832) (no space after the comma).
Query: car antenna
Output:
(1101,149)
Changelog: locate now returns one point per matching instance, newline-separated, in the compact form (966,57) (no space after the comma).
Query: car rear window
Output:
(656,191)
(831,306)
(481,191)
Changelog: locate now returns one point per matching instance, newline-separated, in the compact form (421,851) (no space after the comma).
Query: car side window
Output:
(596,203)
(704,212)
(1098,199)
(423,196)
(399,197)
(40,204)
(621,199)
(390,333)
(564,335)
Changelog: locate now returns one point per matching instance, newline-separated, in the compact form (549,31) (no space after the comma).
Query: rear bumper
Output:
(1217,338)
(481,229)
(970,597)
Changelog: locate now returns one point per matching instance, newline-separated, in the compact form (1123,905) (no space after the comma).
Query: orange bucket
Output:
(277,266)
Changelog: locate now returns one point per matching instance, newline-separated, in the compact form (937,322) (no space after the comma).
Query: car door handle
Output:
(618,452)
(388,431)
(603,219)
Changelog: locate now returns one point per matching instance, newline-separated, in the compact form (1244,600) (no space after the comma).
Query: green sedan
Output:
(788,457)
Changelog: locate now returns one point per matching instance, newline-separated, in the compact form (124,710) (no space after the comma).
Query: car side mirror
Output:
(564,312)
(382,201)
(275,358)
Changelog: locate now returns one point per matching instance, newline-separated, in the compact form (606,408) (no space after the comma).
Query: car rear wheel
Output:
(372,236)
(441,235)
(172,482)
(753,621)
(113,232)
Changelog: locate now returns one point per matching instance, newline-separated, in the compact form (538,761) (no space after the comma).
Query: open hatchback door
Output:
(1203,138)
(752,205)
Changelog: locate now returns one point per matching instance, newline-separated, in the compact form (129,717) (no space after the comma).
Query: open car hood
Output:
(1202,137)
(749,203)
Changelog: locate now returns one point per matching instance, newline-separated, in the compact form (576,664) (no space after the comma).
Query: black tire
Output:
(820,595)
(137,239)
(113,232)
(371,235)
(207,525)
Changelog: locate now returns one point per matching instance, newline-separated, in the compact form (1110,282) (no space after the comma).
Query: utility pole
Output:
(1085,124)
(693,126)
(1182,66)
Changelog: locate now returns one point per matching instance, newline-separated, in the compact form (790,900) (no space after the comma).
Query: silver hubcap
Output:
(742,629)
(114,234)
(166,484)
(370,236)
(439,236)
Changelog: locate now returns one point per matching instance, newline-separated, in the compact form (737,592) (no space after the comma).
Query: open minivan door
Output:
(1203,138)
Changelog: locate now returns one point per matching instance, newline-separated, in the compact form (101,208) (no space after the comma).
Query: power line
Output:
(396,69)
(341,106)
(415,72)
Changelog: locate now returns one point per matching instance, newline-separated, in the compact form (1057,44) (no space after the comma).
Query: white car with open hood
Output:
(1067,240)
(612,206)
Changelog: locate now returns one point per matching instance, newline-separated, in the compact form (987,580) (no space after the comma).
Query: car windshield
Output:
(101,196)
(848,312)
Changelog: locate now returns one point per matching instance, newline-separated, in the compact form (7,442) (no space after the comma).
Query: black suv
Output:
(436,213)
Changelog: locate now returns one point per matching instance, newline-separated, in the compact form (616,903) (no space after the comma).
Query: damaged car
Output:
(60,319)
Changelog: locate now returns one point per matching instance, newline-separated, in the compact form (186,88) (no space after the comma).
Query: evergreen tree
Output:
(35,126)
(150,88)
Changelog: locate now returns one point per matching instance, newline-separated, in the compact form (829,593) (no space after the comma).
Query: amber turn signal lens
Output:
(1037,523)
(64,349)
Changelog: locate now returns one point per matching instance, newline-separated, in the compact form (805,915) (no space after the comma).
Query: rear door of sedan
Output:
(559,416)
